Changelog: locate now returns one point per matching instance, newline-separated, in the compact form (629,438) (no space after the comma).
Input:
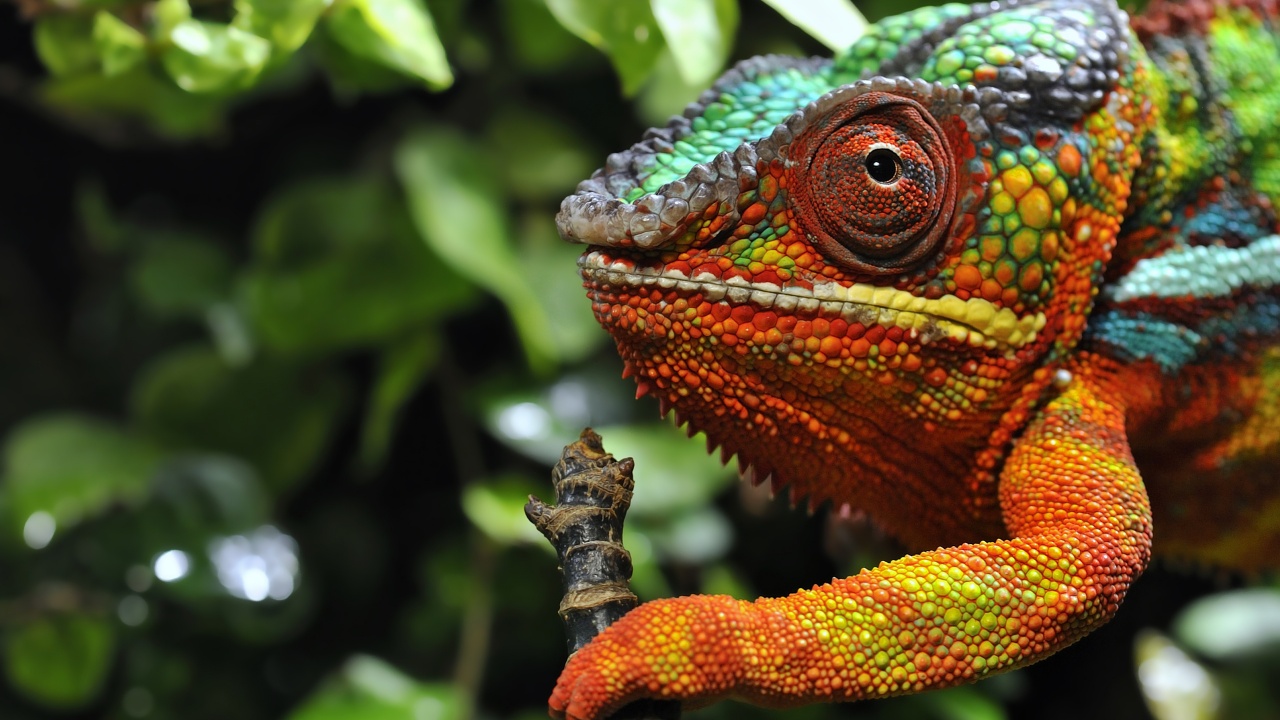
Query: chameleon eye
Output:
(874,184)
(884,165)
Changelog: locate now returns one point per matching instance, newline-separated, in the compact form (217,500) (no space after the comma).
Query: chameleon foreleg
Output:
(1080,532)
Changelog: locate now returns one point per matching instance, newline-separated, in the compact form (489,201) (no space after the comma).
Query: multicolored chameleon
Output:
(1006,278)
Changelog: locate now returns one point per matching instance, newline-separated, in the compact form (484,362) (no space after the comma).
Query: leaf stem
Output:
(477,619)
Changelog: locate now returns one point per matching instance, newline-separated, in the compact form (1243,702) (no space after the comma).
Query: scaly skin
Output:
(958,278)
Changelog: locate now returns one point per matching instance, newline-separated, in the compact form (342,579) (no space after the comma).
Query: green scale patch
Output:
(976,52)
(745,112)
(884,39)
(1243,50)
(750,110)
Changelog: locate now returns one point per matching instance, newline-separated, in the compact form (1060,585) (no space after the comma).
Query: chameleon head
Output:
(867,270)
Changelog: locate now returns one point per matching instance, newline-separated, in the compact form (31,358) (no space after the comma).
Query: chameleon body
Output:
(1005,278)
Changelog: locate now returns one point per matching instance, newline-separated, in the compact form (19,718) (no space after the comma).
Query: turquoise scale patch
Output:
(1145,337)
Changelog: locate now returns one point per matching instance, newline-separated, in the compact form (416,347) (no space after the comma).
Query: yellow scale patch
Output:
(975,321)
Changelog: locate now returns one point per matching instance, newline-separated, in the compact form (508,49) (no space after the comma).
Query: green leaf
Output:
(537,41)
(277,416)
(624,30)
(526,422)
(167,15)
(497,508)
(371,689)
(1173,684)
(60,662)
(574,333)
(201,496)
(230,333)
(699,34)
(65,43)
(666,93)
(205,57)
(542,158)
(721,579)
(180,276)
(647,579)
(456,204)
(285,23)
(72,467)
(120,46)
(402,367)
(539,422)
(138,93)
(692,535)
(338,265)
(224,491)
(834,23)
(349,73)
(1232,625)
(196,499)
(396,33)
(963,703)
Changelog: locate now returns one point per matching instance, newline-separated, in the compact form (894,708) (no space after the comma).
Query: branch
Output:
(593,492)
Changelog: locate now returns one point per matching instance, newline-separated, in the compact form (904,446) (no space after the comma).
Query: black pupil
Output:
(883,165)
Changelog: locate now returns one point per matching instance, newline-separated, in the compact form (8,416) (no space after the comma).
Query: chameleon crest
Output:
(955,278)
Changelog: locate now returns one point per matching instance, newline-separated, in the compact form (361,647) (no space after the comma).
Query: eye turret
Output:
(874,183)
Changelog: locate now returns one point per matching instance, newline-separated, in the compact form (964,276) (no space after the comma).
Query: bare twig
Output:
(593,492)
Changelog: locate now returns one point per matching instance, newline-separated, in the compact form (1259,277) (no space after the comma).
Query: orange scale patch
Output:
(1069,160)
(1005,272)
(1031,277)
(968,277)
(1035,208)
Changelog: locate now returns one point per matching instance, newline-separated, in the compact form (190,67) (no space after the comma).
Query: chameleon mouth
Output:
(974,322)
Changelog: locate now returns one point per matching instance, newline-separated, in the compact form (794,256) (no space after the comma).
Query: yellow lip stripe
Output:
(975,321)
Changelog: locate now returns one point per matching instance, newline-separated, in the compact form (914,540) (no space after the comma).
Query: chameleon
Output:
(1003,277)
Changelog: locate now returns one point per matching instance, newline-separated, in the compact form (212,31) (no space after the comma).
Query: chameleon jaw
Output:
(974,322)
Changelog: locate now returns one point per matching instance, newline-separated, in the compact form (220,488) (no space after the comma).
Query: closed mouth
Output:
(974,322)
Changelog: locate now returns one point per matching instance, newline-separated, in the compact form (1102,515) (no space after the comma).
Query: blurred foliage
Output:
(287,337)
